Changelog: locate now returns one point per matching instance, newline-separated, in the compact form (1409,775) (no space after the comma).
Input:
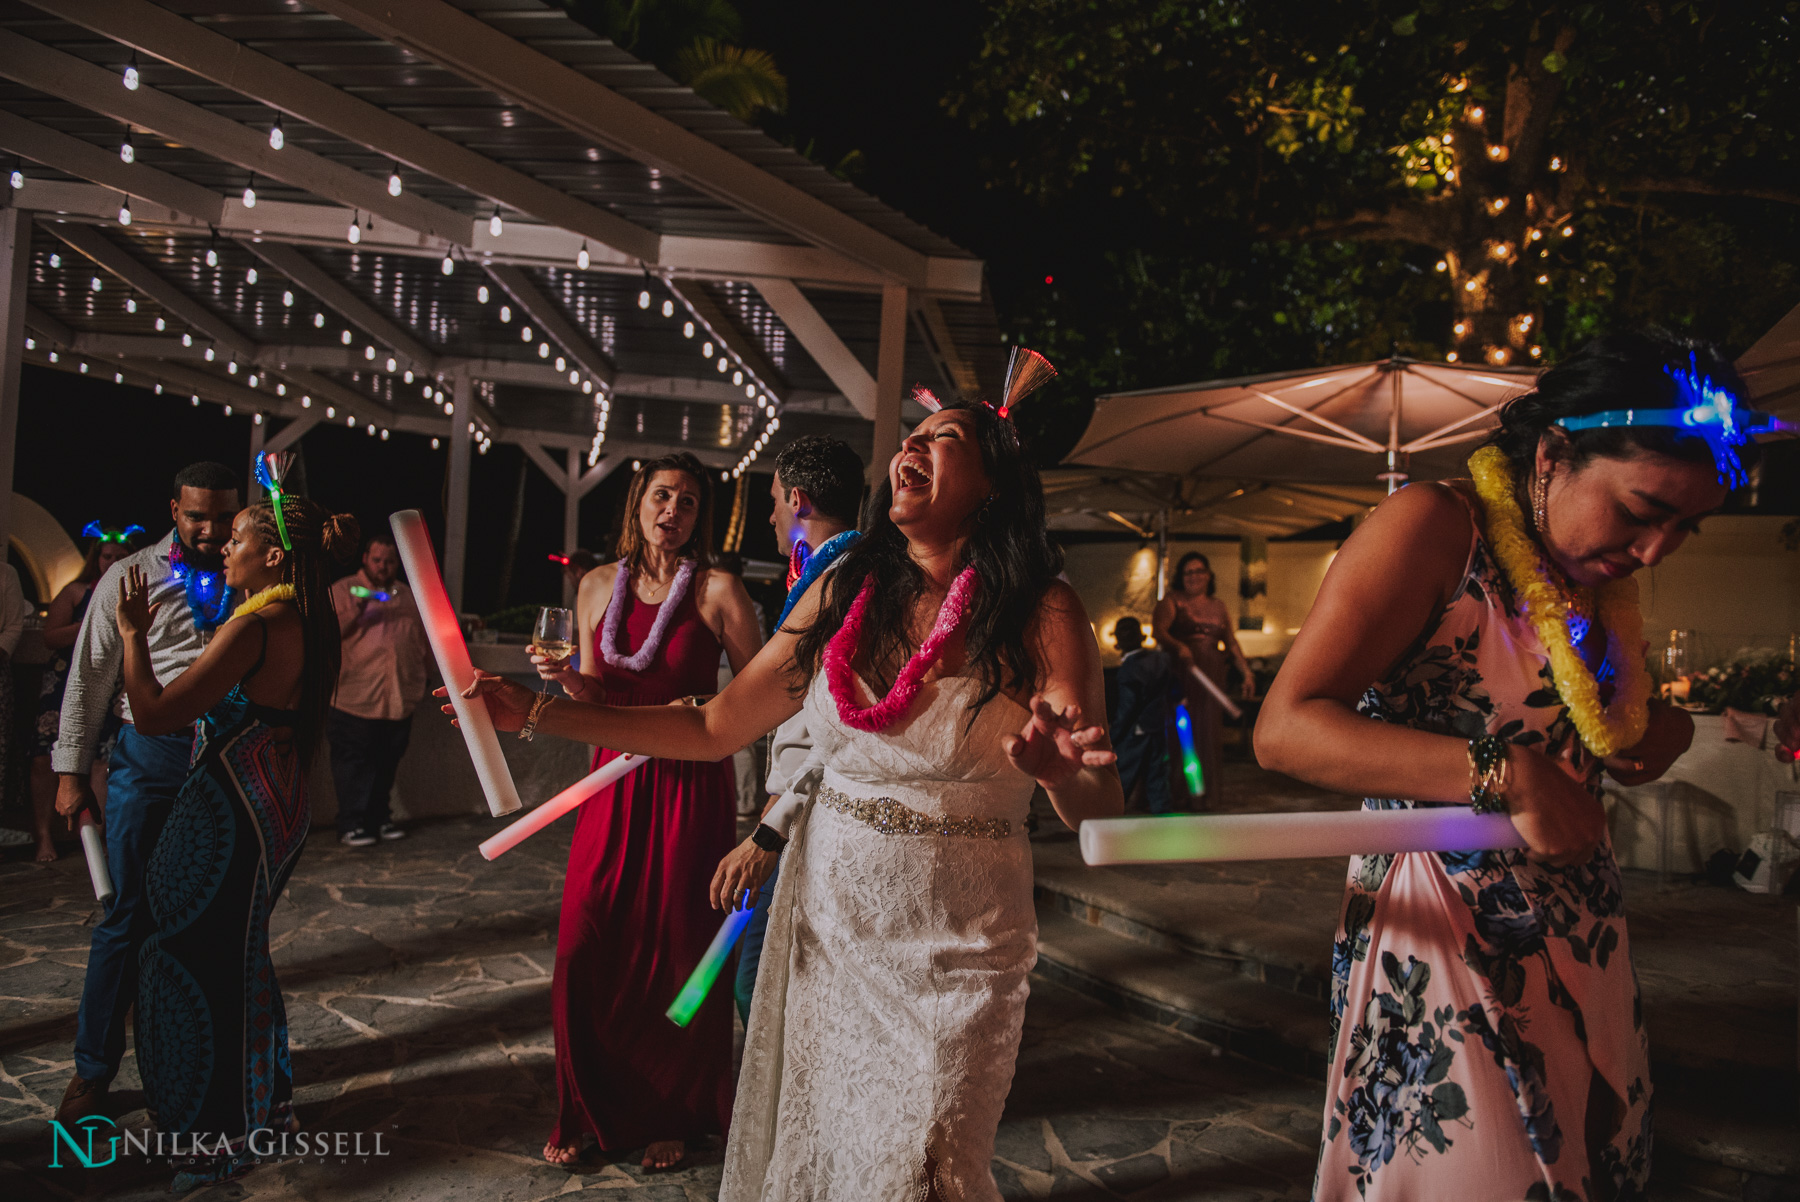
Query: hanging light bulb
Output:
(125,212)
(17,180)
(161,325)
(581,256)
(318,321)
(706,350)
(355,234)
(277,139)
(494,224)
(127,152)
(668,308)
(394,184)
(250,276)
(505,314)
(212,257)
(131,304)
(562,365)
(287,300)
(481,294)
(448,265)
(250,193)
(131,73)
(187,339)
(644,299)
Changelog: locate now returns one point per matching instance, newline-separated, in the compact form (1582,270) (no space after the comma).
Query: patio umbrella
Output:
(1388,420)
(1094,500)
(1772,367)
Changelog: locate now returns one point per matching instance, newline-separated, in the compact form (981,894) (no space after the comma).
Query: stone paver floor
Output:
(417,978)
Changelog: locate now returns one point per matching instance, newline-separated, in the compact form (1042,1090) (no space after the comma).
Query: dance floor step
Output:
(1209,1002)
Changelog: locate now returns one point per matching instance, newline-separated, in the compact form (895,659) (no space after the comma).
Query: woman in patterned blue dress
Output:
(1488,1041)
(211,1028)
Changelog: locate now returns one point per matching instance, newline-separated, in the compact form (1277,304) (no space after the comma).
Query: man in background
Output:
(1141,722)
(381,682)
(818,492)
(187,583)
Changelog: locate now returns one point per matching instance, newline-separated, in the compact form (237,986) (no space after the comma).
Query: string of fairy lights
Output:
(713,348)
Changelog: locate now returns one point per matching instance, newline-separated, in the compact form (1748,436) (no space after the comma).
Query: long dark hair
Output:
(1009,547)
(631,532)
(320,539)
(1212,577)
(1619,371)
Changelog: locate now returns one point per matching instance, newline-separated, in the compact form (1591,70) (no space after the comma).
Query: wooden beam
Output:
(95,88)
(550,321)
(139,275)
(294,264)
(821,342)
(155,30)
(727,331)
(72,156)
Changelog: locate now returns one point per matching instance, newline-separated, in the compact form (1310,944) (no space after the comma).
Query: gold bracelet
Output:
(538,706)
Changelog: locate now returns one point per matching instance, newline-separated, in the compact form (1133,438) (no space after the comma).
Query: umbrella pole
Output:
(1162,553)
(1396,474)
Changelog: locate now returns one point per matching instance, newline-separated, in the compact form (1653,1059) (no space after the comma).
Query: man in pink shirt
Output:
(379,685)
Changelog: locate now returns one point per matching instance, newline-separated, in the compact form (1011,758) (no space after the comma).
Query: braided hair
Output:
(320,539)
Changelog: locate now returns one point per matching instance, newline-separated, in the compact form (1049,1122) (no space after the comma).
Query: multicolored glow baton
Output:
(369,594)
(1190,761)
(444,633)
(1319,834)
(271,470)
(516,832)
(93,846)
(687,1002)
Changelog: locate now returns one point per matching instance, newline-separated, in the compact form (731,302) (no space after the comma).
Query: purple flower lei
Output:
(615,609)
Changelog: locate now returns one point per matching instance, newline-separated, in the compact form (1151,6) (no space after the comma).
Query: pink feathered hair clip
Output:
(1026,372)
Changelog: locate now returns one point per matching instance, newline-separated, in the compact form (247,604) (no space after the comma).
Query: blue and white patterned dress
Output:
(212,1041)
(1487,1037)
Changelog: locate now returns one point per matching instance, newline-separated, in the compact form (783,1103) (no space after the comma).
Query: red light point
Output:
(1049,279)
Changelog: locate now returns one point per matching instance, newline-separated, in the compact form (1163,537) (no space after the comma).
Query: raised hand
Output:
(1052,747)
(507,703)
(134,612)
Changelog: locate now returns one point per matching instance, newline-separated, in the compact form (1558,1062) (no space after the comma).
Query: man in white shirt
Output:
(146,771)
(818,492)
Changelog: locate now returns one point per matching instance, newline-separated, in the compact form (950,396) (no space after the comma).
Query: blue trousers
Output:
(1146,757)
(146,773)
(750,945)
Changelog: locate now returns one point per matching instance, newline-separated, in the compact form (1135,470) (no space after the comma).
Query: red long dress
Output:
(635,922)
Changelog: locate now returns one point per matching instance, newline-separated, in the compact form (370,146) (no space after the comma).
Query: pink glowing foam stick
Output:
(1203,837)
(445,635)
(520,829)
(1225,702)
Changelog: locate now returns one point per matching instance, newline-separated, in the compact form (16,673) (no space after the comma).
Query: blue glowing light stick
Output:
(687,1002)
(1190,760)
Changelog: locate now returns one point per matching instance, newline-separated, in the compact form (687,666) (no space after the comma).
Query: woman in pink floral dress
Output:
(1488,1041)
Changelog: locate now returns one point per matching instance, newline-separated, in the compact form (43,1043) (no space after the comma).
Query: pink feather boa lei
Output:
(615,610)
(841,678)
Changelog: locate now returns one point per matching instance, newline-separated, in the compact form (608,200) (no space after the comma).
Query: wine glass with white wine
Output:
(554,636)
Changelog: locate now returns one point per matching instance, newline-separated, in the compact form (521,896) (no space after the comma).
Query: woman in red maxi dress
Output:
(636,917)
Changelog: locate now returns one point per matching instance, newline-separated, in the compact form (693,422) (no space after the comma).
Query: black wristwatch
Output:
(768,838)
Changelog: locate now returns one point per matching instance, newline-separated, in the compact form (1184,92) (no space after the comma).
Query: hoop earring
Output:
(1540,505)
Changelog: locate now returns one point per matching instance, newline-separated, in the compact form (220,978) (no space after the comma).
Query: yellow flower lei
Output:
(268,596)
(1604,730)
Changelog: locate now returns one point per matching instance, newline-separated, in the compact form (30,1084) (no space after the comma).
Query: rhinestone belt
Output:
(891,818)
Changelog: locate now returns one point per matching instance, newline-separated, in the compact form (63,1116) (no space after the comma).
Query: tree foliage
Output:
(1477,179)
(693,41)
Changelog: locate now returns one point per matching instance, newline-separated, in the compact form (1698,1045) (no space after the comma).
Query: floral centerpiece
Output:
(1755,682)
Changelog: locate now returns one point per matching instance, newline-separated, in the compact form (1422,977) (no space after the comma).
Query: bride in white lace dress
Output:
(945,672)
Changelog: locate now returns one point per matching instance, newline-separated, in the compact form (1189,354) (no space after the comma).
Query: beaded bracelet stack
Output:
(1487,774)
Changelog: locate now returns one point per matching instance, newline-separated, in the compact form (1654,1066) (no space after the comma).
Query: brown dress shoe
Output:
(82,1098)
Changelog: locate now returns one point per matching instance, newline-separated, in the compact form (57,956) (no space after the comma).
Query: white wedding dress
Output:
(892,990)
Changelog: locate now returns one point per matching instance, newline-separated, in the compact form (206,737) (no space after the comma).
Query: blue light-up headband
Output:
(95,530)
(1707,410)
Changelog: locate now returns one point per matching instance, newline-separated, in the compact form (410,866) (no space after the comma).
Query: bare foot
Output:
(562,1157)
(46,852)
(664,1154)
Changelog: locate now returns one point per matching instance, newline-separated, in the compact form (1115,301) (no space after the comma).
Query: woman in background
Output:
(1194,626)
(61,624)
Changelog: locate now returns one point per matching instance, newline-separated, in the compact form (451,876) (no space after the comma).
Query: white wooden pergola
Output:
(472,222)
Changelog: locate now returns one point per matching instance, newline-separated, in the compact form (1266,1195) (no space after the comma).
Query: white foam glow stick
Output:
(1229,705)
(93,846)
(445,635)
(517,831)
(1192,838)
